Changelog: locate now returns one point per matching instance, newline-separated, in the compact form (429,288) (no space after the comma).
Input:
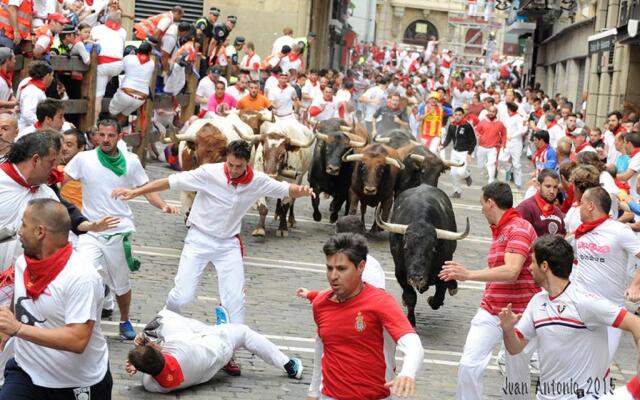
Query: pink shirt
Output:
(215,105)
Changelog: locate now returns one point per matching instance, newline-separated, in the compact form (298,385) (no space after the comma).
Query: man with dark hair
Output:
(545,155)
(540,210)
(373,310)
(254,101)
(73,142)
(510,157)
(50,114)
(509,281)
(46,334)
(580,139)
(225,189)
(100,171)
(31,91)
(614,128)
(566,319)
(193,352)
(603,248)
(8,132)
(461,133)
(632,148)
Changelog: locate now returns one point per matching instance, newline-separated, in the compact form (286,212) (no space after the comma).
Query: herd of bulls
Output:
(389,170)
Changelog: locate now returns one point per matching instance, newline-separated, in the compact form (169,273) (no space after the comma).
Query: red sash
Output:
(543,205)
(587,227)
(35,82)
(40,273)
(11,171)
(504,220)
(245,179)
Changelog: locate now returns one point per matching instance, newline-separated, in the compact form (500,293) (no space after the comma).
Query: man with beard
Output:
(615,127)
(392,116)
(540,209)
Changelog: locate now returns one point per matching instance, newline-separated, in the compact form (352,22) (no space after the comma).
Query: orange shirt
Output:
(251,104)
(71,191)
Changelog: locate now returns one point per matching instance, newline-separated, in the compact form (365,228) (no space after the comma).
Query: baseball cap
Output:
(232,18)
(5,54)
(239,40)
(58,18)
(578,132)
(215,70)
(214,11)
(69,29)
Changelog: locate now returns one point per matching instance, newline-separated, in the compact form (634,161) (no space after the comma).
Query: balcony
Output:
(629,21)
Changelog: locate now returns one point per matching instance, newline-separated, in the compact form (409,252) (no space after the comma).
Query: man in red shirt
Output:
(540,210)
(508,281)
(492,137)
(351,317)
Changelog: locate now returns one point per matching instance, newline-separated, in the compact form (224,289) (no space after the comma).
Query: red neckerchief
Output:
(567,132)
(40,273)
(619,130)
(553,123)
(569,196)
(283,88)
(8,77)
(313,83)
(634,387)
(55,177)
(293,57)
(543,205)
(582,146)
(540,152)
(37,125)
(634,152)
(587,227)
(622,185)
(113,25)
(538,113)
(245,179)
(171,375)
(12,172)
(504,220)
(35,82)
(143,58)
(249,57)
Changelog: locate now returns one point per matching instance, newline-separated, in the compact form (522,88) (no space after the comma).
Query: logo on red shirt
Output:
(360,324)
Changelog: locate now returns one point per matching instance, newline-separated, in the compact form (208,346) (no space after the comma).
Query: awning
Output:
(602,41)
(629,33)
(521,28)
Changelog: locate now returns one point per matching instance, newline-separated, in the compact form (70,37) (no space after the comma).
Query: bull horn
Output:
(322,136)
(417,158)
(413,142)
(355,140)
(345,129)
(352,157)
(394,162)
(297,143)
(171,130)
(450,163)
(448,235)
(393,228)
(383,140)
(251,139)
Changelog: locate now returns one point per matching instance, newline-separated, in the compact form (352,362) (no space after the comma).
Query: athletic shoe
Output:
(468,180)
(126,331)
(232,368)
(294,368)
(455,195)
(106,313)
(222,315)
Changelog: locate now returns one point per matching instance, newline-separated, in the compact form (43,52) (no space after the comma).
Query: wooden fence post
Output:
(88,92)
(191,87)
(147,107)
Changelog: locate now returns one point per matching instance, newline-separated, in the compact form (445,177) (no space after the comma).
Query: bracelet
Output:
(17,330)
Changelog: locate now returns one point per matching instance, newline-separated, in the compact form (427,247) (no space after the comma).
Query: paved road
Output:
(274,268)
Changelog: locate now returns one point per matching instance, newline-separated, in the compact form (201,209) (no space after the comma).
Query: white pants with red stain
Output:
(487,158)
(458,174)
(225,255)
(485,334)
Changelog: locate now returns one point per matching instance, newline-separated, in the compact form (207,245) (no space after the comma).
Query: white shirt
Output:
(5,91)
(269,84)
(206,88)
(373,273)
(97,184)
(587,148)
(111,42)
(555,134)
(612,154)
(137,76)
(286,64)
(282,100)
(634,165)
(572,219)
(14,199)
(373,93)
(235,93)
(219,206)
(461,97)
(28,99)
(565,326)
(74,297)
(602,256)
(252,65)
(331,109)
(44,41)
(310,90)
(627,392)
(515,127)
(282,41)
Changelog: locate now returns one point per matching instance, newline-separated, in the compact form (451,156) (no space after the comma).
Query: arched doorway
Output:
(419,32)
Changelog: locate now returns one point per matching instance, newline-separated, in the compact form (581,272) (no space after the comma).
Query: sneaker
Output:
(294,368)
(455,195)
(468,180)
(222,315)
(106,313)
(126,331)
(232,368)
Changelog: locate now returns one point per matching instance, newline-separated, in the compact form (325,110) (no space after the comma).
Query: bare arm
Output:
(508,320)
(626,175)
(159,185)
(13,18)
(631,323)
(296,191)
(508,272)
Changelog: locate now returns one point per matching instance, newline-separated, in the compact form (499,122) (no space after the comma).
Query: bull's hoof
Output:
(317,216)
(292,223)
(282,233)
(431,302)
(258,232)
(453,291)
(334,217)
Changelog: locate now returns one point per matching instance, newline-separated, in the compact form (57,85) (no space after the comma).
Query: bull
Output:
(423,235)
(281,154)
(328,174)
(373,179)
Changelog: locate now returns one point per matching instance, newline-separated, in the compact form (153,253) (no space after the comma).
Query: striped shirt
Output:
(517,237)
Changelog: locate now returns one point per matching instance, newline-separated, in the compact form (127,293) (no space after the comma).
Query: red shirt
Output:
(353,365)
(491,133)
(516,237)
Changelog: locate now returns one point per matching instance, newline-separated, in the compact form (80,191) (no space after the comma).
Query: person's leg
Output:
(492,156)
(481,156)
(228,263)
(516,162)
(242,336)
(614,335)
(117,273)
(102,390)
(193,260)
(484,334)
(458,173)
(18,384)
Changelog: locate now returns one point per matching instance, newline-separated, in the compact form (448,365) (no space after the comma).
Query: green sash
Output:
(116,164)
(132,263)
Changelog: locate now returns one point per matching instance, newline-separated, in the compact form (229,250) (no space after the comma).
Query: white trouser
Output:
(225,255)
(104,73)
(487,157)
(108,258)
(458,174)
(614,335)
(445,72)
(122,103)
(514,150)
(241,336)
(484,334)
(432,144)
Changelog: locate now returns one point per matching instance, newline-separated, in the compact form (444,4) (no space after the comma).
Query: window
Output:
(419,32)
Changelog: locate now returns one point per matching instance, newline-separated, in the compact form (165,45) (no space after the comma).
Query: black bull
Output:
(423,236)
